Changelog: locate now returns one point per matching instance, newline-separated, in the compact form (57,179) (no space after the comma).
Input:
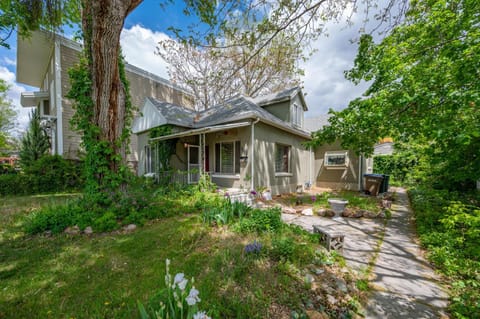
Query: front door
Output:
(193,164)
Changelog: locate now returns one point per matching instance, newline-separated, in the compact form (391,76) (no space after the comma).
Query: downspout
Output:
(58,98)
(360,175)
(252,160)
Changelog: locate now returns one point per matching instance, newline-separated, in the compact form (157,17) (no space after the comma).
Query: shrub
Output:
(268,220)
(448,224)
(50,173)
(283,248)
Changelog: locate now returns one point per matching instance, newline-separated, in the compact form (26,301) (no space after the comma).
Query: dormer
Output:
(288,105)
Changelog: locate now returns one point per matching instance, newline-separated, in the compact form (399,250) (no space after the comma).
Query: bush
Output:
(50,173)
(398,166)
(449,226)
(268,220)
(283,248)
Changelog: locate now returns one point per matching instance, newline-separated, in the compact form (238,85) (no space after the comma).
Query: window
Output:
(336,159)
(45,107)
(297,115)
(282,158)
(227,157)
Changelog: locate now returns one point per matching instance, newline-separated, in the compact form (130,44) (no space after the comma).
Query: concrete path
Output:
(404,285)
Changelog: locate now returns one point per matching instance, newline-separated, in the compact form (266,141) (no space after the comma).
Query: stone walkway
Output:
(404,285)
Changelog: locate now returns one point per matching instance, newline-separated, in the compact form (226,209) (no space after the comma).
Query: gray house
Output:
(244,143)
(247,144)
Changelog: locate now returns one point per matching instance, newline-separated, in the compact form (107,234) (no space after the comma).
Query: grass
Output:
(321,200)
(103,276)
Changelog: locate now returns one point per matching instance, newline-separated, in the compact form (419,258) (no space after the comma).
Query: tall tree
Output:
(424,88)
(35,143)
(215,74)
(105,99)
(7,115)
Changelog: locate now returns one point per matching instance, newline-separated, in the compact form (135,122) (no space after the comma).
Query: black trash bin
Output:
(384,186)
(373,183)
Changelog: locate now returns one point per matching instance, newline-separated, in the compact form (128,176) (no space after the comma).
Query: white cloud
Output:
(324,79)
(14,95)
(9,61)
(138,46)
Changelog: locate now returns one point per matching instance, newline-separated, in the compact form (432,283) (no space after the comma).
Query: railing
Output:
(172,177)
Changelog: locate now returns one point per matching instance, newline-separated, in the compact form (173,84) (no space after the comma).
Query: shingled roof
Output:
(233,110)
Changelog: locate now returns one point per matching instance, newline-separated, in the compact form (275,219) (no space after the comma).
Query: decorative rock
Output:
(289,210)
(357,214)
(72,230)
(325,212)
(348,212)
(130,227)
(313,314)
(382,214)
(369,214)
(341,285)
(88,230)
(307,212)
(309,278)
(318,271)
(331,300)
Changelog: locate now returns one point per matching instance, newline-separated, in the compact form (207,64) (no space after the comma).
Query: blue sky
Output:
(324,83)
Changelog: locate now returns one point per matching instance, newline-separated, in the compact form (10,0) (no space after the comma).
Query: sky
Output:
(324,84)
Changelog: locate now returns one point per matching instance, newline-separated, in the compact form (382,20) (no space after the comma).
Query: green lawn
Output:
(103,276)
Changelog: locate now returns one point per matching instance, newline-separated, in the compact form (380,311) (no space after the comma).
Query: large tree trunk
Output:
(102,23)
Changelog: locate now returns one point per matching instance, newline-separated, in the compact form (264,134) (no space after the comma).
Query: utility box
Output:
(373,183)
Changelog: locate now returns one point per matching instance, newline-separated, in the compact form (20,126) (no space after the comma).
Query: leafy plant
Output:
(178,300)
(283,248)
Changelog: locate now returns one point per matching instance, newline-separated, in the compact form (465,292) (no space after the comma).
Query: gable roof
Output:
(241,108)
(281,96)
(174,114)
(235,109)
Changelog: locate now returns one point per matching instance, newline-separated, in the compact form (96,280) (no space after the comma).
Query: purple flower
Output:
(227,195)
(253,248)
(314,198)
(253,192)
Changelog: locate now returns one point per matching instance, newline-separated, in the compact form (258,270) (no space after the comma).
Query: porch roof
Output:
(29,99)
(203,130)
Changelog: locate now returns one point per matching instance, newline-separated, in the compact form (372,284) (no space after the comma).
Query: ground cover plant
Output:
(239,274)
(448,224)
(320,200)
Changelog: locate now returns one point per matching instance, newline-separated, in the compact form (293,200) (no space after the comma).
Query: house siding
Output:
(280,110)
(265,139)
(141,86)
(337,178)
(71,139)
(242,134)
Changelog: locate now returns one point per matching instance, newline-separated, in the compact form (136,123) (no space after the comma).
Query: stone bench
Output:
(333,239)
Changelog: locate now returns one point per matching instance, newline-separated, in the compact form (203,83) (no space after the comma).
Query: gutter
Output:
(252,160)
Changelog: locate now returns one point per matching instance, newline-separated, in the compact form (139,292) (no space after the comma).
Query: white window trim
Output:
(289,173)
(341,166)
(220,174)
(297,114)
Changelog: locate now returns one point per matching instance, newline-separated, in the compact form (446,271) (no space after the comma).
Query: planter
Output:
(338,205)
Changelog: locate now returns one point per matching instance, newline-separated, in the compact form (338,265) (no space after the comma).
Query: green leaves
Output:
(424,88)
